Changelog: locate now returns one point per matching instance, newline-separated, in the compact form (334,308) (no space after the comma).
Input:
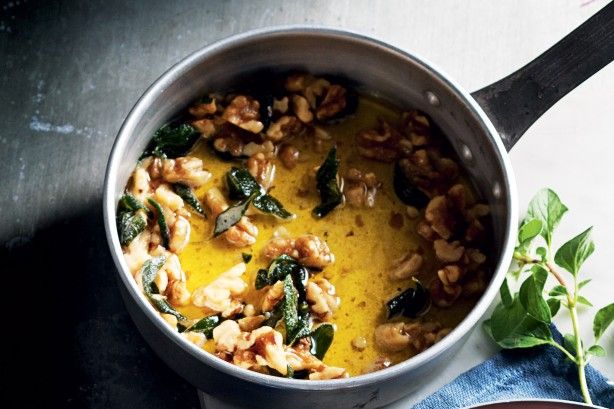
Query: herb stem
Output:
(563,350)
(579,359)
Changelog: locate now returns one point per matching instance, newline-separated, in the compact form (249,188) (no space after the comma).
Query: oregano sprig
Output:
(522,319)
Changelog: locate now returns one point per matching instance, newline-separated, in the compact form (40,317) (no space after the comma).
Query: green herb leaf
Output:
(164,230)
(572,254)
(557,291)
(412,302)
(246,257)
(326,183)
(281,267)
(555,305)
(582,283)
(547,208)
(241,184)
(528,231)
(596,350)
(513,327)
(530,295)
(406,191)
(602,320)
(129,203)
(268,204)
(130,221)
(188,196)
(506,295)
(583,300)
(206,325)
(296,314)
(321,339)
(164,307)
(230,216)
(172,141)
(149,271)
(274,316)
(130,225)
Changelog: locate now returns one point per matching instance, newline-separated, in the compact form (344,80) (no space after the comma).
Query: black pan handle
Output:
(518,100)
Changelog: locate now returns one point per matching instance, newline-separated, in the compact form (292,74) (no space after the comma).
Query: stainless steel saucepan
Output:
(481,126)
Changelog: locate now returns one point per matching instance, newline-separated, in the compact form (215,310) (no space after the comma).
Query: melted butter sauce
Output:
(364,243)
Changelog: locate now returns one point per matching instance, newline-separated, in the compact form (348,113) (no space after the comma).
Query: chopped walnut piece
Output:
(187,170)
(334,102)
(301,108)
(206,127)
(141,187)
(281,105)
(219,294)
(251,323)
(308,249)
(444,296)
(203,109)
(448,252)
(417,126)
(328,372)
(284,128)
(424,334)
(178,293)
(289,156)
(244,112)
(321,298)
(360,188)
(226,335)
(407,266)
(273,296)
(450,274)
(390,337)
(439,216)
(262,169)
(382,143)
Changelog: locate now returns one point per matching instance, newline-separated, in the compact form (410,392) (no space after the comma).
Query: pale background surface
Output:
(71,72)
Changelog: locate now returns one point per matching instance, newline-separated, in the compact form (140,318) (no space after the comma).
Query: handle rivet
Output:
(466,153)
(496,190)
(432,98)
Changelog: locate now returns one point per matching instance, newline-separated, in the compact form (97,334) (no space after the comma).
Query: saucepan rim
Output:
(197,57)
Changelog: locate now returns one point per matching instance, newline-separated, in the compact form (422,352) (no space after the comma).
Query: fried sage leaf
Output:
(149,271)
(268,204)
(411,303)
(164,230)
(321,339)
(406,191)
(130,225)
(188,196)
(326,183)
(206,325)
(296,313)
(129,203)
(241,185)
(279,268)
(230,216)
(172,141)
(164,307)
(130,220)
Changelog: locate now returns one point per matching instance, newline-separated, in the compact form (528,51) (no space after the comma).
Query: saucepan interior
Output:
(375,68)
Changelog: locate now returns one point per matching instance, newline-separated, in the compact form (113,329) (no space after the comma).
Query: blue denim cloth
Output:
(541,373)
